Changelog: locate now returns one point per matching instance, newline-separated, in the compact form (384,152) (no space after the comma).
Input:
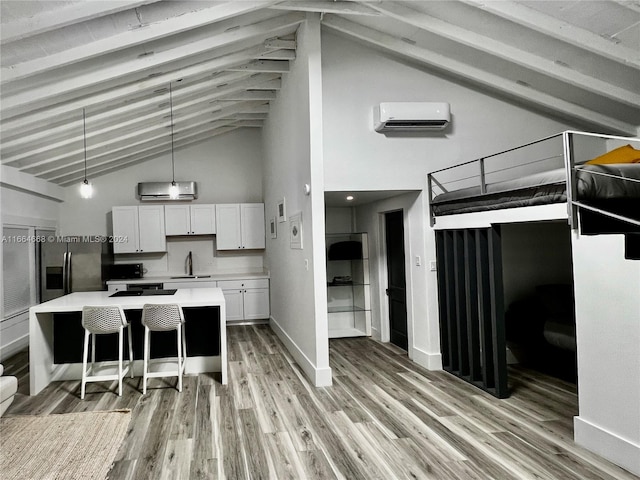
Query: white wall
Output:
(293,157)
(227,169)
(355,78)
(608,335)
(339,220)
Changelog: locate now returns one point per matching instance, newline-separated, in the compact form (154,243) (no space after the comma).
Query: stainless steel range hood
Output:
(149,191)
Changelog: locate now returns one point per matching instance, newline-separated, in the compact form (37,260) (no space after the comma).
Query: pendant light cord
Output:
(173,168)
(84,136)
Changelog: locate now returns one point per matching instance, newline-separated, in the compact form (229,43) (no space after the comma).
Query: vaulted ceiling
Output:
(117,62)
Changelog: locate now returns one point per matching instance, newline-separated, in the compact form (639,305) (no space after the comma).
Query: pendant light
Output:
(86,190)
(174,191)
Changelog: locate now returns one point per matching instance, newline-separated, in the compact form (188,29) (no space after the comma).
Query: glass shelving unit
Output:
(348,292)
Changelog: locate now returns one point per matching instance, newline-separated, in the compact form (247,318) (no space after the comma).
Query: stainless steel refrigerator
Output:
(72,265)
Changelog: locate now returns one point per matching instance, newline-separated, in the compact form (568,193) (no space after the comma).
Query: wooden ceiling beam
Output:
(509,53)
(250,95)
(277,44)
(487,79)
(560,30)
(50,93)
(338,7)
(279,55)
(156,132)
(70,14)
(15,142)
(130,38)
(262,66)
(45,117)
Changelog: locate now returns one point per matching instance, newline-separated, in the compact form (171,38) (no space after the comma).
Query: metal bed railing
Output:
(570,166)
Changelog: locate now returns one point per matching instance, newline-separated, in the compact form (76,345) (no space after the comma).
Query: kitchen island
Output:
(44,369)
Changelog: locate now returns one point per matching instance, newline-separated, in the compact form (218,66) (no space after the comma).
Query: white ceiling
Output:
(579,60)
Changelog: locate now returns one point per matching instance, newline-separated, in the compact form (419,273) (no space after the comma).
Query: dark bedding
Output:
(543,188)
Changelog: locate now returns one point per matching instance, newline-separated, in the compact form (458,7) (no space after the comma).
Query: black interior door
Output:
(396,290)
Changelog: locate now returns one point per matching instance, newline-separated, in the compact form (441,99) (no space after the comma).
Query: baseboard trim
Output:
(430,361)
(321,377)
(618,450)
(14,347)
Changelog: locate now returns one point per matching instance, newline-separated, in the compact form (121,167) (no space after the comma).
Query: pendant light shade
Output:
(174,191)
(86,190)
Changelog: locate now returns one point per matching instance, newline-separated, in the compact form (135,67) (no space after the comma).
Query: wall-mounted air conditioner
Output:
(411,116)
(160,191)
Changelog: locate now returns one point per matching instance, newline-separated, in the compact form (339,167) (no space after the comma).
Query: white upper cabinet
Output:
(190,219)
(240,226)
(139,229)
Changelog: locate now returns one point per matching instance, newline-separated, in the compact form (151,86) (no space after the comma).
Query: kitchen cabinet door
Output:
(138,229)
(256,303)
(177,219)
(125,229)
(252,225)
(151,228)
(190,219)
(203,219)
(240,226)
(234,304)
(228,233)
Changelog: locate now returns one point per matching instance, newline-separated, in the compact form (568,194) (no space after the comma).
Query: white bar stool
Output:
(163,318)
(101,320)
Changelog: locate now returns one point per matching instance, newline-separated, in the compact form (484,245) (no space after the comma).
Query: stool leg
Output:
(85,354)
(179,330)
(145,359)
(184,346)
(130,350)
(93,351)
(120,355)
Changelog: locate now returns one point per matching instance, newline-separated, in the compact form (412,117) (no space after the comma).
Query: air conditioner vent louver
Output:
(415,124)
(159,191)
(411,116)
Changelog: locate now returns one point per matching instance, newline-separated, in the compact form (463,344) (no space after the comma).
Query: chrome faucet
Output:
(189,264)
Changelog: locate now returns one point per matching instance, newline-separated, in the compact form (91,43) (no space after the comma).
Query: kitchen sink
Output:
(192,276)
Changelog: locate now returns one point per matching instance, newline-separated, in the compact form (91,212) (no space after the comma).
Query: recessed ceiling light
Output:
(349,198)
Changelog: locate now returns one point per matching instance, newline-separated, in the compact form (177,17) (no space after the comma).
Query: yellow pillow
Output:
(626,154)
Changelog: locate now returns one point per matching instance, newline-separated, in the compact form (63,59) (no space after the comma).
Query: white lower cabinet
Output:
(246,299)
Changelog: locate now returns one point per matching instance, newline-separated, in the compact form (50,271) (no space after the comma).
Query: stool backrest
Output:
(162,317)
(103,319)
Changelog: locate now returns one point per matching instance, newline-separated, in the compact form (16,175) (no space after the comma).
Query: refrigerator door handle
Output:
(69,273)
(66,273)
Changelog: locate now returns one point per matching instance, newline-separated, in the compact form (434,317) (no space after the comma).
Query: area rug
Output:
(65,446)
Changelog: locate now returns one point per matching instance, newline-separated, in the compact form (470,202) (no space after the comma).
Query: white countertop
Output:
(185,297)
(204,277)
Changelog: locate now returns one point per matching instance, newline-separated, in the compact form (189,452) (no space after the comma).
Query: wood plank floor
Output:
(383,418)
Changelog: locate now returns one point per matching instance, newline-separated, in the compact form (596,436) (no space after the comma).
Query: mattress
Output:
(543,188)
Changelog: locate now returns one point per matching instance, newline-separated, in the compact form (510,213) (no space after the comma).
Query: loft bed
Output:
(590,181)
(597,174)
